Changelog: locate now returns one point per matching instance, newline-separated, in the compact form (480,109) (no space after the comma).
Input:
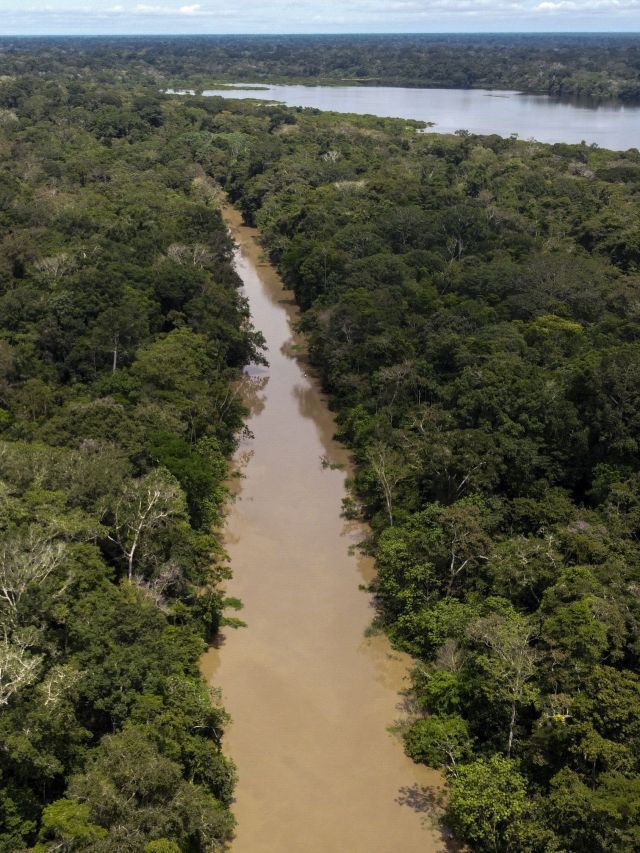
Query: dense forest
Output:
(471,305)
(122,332)
(603,65)
(472,308)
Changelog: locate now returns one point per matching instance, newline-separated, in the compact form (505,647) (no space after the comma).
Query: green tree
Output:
(489,805)
(439,741)
(66,825)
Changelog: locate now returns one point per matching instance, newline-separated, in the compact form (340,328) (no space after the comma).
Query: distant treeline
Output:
(121,332)
(586,65)
(472,307)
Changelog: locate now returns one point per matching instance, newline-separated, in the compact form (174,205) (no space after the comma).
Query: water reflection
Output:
(608,124)
(252,387)
(310,696)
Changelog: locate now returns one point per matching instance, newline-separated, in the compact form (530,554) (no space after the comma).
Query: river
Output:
(607,124)
(311,697)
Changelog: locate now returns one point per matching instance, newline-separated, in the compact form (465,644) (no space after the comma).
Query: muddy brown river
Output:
(311,697)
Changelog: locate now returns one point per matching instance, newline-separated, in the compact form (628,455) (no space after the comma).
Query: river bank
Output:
(608,124)
(311,697)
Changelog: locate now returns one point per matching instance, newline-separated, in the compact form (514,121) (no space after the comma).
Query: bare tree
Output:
(18,668)
(155,588)
(55,266)
(196,254)
(386,464)
(58,682)
(450,655)
(466,539)
(26,559)
(145,504)
(393,378)
(512,659)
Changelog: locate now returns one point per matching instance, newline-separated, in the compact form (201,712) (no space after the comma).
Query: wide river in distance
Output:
(310,695)
(607,124)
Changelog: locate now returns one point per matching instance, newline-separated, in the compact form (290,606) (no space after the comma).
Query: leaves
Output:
(488,805)
(471,312)
(121,331)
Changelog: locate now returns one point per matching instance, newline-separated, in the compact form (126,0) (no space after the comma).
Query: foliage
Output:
(593,65)
(122,334)
(473,318)
(488,805)
(471,307)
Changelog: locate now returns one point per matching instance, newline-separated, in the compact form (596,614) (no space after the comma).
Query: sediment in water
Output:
(311,697)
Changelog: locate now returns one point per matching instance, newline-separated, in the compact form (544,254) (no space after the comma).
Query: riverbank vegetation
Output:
(121,332)
(588,65)
(471,305)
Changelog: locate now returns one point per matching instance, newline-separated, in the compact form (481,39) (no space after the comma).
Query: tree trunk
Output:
(114,365)
(511,727)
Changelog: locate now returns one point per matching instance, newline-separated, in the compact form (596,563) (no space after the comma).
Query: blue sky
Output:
(280,16)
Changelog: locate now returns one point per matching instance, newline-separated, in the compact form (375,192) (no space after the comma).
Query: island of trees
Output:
(472,308)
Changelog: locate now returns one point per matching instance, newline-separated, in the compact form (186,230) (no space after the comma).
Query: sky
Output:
(42,17)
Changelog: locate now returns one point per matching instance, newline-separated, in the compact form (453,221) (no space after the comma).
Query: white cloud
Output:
(183,16)
(604,7)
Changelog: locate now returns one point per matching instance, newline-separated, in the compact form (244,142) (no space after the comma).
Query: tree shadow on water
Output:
(428,802)
(420,799)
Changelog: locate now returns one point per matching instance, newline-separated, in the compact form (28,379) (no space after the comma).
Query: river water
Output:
(609,124)
(311,698)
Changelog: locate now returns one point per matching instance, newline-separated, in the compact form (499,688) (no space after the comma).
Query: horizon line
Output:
(341,33)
